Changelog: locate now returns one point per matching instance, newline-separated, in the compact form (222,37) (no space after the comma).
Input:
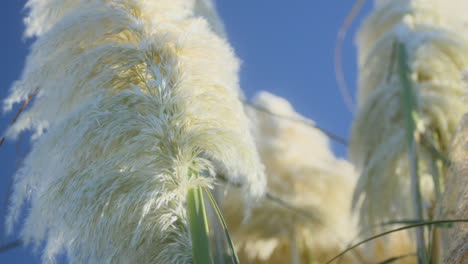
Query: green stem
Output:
(436,167)
(417,204)
(295,255)
(410,113)
(235,259)
(436,171)
(436,249)
(198,227)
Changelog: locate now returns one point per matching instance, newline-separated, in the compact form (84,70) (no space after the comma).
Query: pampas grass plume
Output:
(437,54)
(136,98)
(302,171)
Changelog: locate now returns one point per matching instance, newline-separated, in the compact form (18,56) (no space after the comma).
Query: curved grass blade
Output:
(396,230)
(393,259)
(235,259)
(402,222)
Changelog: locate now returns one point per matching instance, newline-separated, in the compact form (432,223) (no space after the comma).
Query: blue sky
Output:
(286,48)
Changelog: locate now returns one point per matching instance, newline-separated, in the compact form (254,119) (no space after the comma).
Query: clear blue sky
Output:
(286,48)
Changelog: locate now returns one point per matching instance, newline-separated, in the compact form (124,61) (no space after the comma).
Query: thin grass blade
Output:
(198,222)
(411,117)
(235,259)
(393,259)
(396,230)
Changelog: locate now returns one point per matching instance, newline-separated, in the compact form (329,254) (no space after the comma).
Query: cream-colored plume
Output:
(437,55)
(94,48)
(303,172)
(44,14)
(454,204)
(137,96)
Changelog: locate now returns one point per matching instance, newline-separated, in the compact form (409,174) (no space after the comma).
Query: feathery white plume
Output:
(138,96)
(94,48)
(44,14)
(302,171)
(207,9)
(437,54)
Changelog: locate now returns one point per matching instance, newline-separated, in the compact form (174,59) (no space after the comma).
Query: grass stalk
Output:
(410,113)
(436,169)
(221,250)
(417,204)
(235,259)
(295,255)
(198,223)
(436,249)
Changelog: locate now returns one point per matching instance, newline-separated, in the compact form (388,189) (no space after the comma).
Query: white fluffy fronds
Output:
(442,14)
(437,55)
(454,204)
(118,45)
(207,9)
(96,44)
(44,14)
(109,183)
(136,106)
(303,172)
